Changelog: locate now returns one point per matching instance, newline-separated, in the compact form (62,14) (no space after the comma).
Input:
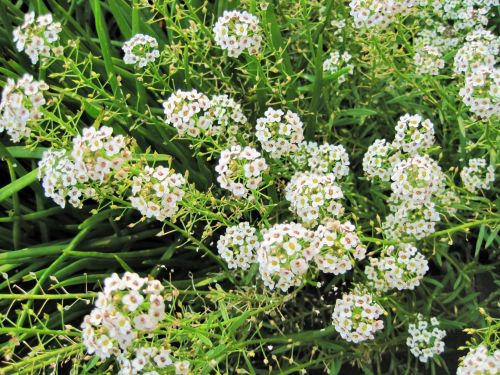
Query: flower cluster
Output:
(128,307)
(479,50)
(379,160)
(100,153)
(240,169)
(476,59)
(20,106)
(334,247)
(481,92)
(96,159)
(224,117)
(145,360)
(411,220)
(465,14)
(400,267)
(185,110)
(337,61)
(140,50)
(62,178)
(324,158)
(431,45)
(477,175)
(378,13)
(279,133)
(37,37)
(355,317)
(239,245)
(428,59)
(416,179)
(282,255)
(156,192)
(413,134)
(314,197)
(238,31)
(194,114)
(426,339)
(480,361)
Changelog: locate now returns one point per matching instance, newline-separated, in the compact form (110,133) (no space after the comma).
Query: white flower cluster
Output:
(465,14)
(239,245)
(314,197)
(238,31)
(140,50)
(479,50)
(194,114)
(481,92)
(20,105)
(431,45)
(379,160)
(334,247)
(426,339)
(411,220)
(355,317)
(480,361)
(185,110)
(240,169)
(37,37)
(96,156)
(413,134)
(400,267)
(477,175)
(156,192)
(324,158)
(417,179)
(281,255)
(476,59)
(128,307)
(62,178)
(146,360)
(100,153)
(337,61)
(224,116)
(428,59)
(279,133)
(378,13)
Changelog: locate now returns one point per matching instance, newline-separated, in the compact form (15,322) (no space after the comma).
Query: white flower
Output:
(140,50)
(480,361)
(355,317)
(157,197)
(240,170)
(238,246)
(279,133)
(379,160)
(413,134)
(477,175)
(335,246)
(416,179)
(400,267)
(21,106)
(337,61)
(324,158)
(238,31)
(314,197)
(120,317)
(281,255)
(37,38)
(426,340)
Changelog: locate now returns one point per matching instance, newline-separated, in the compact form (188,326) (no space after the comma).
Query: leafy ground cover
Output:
(194,187)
